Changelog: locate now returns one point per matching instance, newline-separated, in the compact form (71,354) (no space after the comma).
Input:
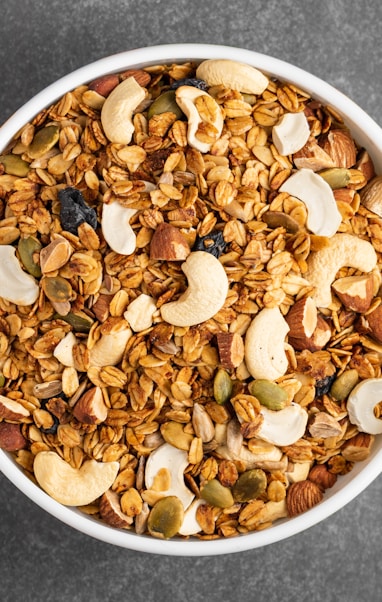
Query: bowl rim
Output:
(369,134)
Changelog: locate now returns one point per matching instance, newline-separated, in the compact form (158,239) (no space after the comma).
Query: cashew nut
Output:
(211,118)
(139,313)
(283,427)
(342,250)
(117,110)
(268,453)
(190,525)
(265,355)
(116,228)
(233,75)
(73,486)
(175,461)
(361,403)
(16,285)
(109,349)
(205,295)
(291,133)
(324,217)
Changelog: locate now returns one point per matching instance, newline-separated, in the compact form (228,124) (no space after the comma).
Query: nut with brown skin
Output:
(373,323)
(301,496)
(11,437)
(302,319)
(321,476)
(104,84)
(91,408)
(340,147)
(111,511)
(357,449)
(168,244)
(12,410)
(355,292)
(231,349)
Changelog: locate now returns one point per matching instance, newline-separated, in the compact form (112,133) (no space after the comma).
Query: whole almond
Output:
(104,84)
(141,77)
(301,496)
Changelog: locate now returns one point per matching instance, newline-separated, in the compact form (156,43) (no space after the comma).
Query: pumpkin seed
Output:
(43,141)
(278,219)
(336,177)
(56,288)
(14,165)
(79,321)
(166,517)
(222,386)
(165,103)
(173,433)
(250,485)
(2,380)
(216,494)
(28,249)
(269,394)
(344,384)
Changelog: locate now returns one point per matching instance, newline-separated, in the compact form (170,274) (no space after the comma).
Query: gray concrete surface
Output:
(40,558)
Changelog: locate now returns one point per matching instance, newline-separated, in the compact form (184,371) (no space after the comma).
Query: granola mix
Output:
(190,310)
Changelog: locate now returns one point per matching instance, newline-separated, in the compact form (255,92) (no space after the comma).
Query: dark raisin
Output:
(190,81)
(323,386)
(213,243)
(74,210)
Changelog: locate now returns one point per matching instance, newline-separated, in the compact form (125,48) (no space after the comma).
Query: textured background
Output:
(42,559)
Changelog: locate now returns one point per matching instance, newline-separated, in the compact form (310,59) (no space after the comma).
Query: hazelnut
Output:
(320,475)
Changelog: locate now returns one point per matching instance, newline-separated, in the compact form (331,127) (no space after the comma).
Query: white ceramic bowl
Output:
(368,134)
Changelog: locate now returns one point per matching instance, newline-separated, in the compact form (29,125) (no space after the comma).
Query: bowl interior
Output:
(368,134)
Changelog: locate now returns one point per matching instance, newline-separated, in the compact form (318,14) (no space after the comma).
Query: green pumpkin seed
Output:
(28,249)
(269,394)
(80,322)
(165,103)
(216,494)
(336,177)
(166,517)
(344,384)
(56,288)
(278,219)
(14,165)
(2,380)
(43,141)
(173,433)
(250,485)
(222,386)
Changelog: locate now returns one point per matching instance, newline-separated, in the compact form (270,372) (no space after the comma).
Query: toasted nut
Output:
(166,517)
(11,437)
(250,485)
(111,511)
(104,84)
(324,425)
(139,313)
(175,461)
(291,133)
(344,384)
(322,477)
(265,355)
(15,285)
(269,394)
(373,323)
(55,255)
(91,408)
(302,496)
(189,99)
(116,227)
(205,295)
(283,427)
(73,486)
(318,339)
(302,318)
(118,108)
(11,409)
(202,423)
(190,525)
(371,195)
(355,292)
(215,494)
(231,349)
(64,350)
(342,250)
(109,349)
(340,146)
(358,448)
(360,405)
(168,244)
(312,156)
(323,215)
(298,471)
(233,75)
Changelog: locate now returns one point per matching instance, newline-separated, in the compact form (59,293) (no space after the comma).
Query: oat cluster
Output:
(181,331)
